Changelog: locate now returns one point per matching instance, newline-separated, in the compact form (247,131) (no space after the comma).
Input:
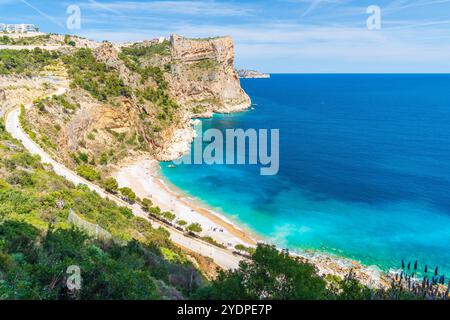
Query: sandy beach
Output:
(143,177)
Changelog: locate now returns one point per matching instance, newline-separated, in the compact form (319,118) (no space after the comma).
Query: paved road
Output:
(224,258)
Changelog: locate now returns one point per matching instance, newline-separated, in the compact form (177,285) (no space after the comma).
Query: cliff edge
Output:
(128,99)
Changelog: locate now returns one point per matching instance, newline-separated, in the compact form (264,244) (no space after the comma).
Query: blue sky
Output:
(271,36)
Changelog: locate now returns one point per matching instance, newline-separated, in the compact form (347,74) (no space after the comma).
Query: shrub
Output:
(111,185)
(168,216)
(94,76)
(83,157)
(155,211)
(213,242)
(128,194)
(146,204)
(104,159)
(25,61)
(195,227)
(88,172)
(241,247)
(271,274)
(181,223)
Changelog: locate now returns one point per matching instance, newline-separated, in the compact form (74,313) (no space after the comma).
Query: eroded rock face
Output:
(2,96)
(197,74)
(203,77)
(108,54)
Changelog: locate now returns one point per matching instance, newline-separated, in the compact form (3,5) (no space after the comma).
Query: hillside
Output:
(120,102)
(129,100)
(37,242)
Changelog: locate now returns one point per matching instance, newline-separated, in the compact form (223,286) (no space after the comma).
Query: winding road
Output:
(222,257)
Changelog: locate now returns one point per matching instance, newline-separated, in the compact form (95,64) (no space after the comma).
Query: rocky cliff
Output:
(134,98)
(203,77)
(252,74)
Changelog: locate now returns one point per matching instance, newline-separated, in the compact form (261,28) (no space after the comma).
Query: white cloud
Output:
(296,48)
(401,46)
(197,8)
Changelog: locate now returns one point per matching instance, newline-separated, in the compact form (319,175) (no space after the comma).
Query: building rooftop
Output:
(18,28)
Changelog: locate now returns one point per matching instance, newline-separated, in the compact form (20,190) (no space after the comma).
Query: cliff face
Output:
(124,100)
(203,77)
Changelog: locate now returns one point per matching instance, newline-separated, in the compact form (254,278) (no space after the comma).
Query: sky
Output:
(277,36)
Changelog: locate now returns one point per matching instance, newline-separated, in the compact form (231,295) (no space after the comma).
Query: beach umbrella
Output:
(415,265)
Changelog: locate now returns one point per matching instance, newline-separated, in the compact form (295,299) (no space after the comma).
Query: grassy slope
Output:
(37,244)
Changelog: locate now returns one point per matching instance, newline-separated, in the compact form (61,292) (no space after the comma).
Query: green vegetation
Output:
(206,64)
(155,211)
(270,275)
(25,61)
(25,41)
(198,109)
(110,185)
(213,242)
(5,40)
(146,204)
(182,223)
(95,77)
(88,172)
(276,275)
(128,194)
(104,159)
(37,244)
(133,56)
(68,40)
(63,101)
(242,248)
(194,227)
(139,50)
(166,107)
(136,58)
(24,123)
(169,216)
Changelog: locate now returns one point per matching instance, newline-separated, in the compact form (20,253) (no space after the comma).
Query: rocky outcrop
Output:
(108,54)
(252,74)
(202,75)
(166,84)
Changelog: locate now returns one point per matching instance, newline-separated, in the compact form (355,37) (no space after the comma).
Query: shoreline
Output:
(143,175)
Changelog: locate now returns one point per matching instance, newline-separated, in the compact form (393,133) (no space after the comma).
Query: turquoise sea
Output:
(364,167)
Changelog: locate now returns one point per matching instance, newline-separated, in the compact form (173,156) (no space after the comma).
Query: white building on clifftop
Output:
(18,28)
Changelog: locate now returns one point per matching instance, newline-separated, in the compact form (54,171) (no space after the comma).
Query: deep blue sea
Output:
(364,167)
